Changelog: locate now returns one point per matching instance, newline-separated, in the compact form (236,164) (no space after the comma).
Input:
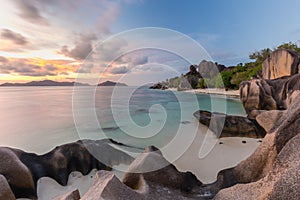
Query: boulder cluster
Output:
(272,172)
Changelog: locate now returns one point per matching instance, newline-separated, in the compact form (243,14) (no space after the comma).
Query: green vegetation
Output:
(231,78)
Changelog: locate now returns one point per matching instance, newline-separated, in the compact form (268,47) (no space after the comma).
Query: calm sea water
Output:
(39,118)
(36,119)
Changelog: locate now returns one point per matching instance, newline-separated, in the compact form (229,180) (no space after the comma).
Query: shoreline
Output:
(212,91)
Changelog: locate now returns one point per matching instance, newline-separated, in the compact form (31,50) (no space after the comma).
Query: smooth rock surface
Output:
(23,170)
(281,63)
(277,94)
(5,191)
(230,126)
(74,195)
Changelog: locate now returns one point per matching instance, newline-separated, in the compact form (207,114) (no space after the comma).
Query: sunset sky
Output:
(50,39)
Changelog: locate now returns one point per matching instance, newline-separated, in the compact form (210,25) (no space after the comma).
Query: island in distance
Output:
(56,83)
(45,83)
(110,83)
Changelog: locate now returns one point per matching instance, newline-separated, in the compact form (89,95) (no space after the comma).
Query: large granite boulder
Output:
(230,126)
(73,195)
(23,170)
(108,186)
(281,63)
(150,176)
(210,69)
(17,173)
(5,191)
(277,94)
(272,171)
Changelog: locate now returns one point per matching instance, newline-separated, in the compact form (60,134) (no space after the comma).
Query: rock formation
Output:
(272,170)
(209,69)
(190,80)
(260,94)
(281,63)
(230,126)
(140,182)
(22,170)
(159,86)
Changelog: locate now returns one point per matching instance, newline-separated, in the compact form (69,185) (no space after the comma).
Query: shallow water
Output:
(37,119)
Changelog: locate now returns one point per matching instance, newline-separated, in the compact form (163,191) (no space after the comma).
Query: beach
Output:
(212,91)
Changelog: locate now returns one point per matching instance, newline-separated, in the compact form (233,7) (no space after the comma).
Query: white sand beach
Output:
(212,91)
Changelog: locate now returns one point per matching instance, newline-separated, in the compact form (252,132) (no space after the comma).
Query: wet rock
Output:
(230,126)
(23,170)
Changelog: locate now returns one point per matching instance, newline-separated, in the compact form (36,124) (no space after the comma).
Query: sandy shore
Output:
(212,91)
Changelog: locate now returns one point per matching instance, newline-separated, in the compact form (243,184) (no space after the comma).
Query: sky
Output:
(98,40)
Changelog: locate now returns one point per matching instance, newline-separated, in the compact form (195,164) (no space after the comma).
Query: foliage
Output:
(231,78)
(202,83)
(289,46)
(260,56)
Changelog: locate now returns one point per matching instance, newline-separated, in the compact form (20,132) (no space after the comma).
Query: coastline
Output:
(212,91)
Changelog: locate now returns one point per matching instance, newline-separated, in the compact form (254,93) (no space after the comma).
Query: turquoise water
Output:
(36,119)
(39,118)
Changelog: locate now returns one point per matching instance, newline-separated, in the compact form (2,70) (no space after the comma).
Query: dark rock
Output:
(153,169)
(190,80)
(74,195)
(281,63)
(17,174)
(82,156)
(230,126)
(159,86)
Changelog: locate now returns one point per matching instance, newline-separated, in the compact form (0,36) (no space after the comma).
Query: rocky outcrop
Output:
(277,94)
(190,80)
(268,119)
(281,63)
(74,195)
(272,170)
(159,86)
(230,126)
(210,69)
(5,191)
(141,182)
(22,170)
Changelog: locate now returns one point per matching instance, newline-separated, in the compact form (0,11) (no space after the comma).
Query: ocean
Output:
(36,119)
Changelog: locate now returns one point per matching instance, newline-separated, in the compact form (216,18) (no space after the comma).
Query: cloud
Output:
(29,11)
(119,70)
(85,68)
(14,37)
(136,59)
(83,47)
(31,67)
(3,59)
(110,13)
